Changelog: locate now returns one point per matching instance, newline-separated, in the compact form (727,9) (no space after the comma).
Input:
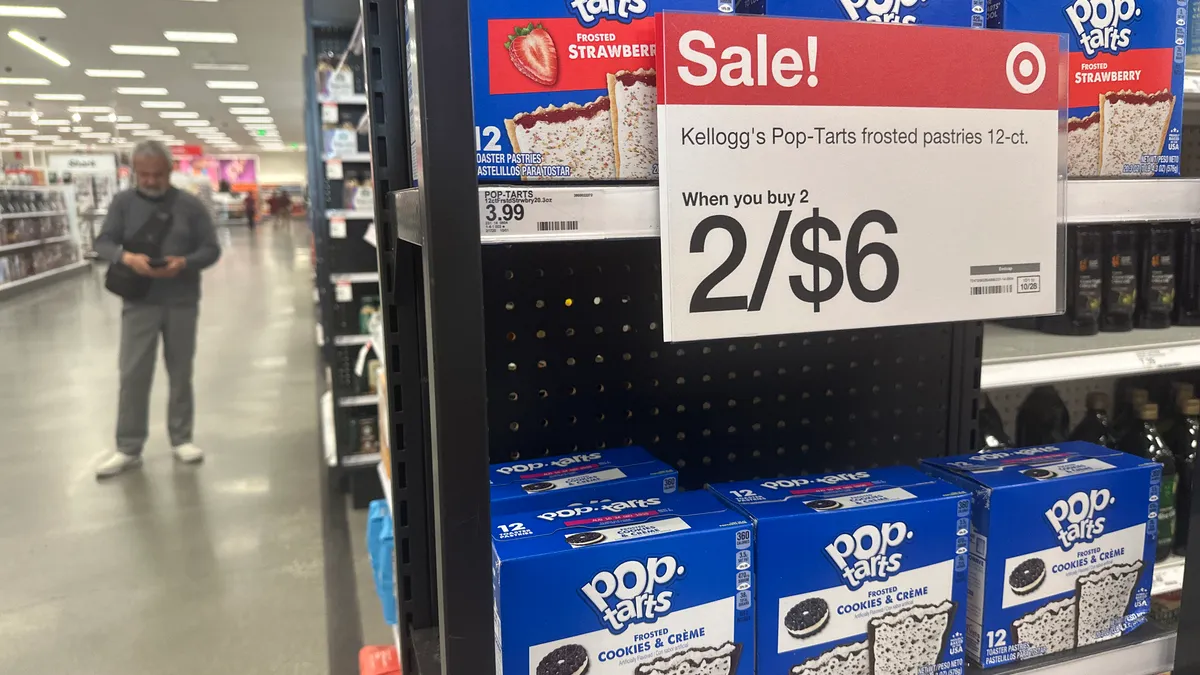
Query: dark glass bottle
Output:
(1120,281)
(1094,428)
(1187,275)
(1144,440)
(1042,418)
(1185,442)
(991,428)
(1127,414)
(1156,274)
(1085,254)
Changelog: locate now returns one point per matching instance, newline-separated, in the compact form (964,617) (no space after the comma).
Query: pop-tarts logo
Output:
(560,463)
(590,12)
(634,592)
(831,479)
(1103,25)
(974,461)
(576,511)
(868,554)
(882,11)
(1077,518)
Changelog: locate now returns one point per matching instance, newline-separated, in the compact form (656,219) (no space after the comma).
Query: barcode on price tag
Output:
(558,226)
(992,290)
(343,291)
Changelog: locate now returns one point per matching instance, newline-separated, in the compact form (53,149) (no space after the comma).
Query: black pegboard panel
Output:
(576,361)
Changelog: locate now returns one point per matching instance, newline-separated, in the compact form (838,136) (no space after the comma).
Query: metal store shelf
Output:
(349,215)
(1131,201)
(350,340)
(35,242)
(355,277)
(1014,357)
(1168,576)
(361,460)
(33,214)
(352,401)
(1148,651)
(44,275)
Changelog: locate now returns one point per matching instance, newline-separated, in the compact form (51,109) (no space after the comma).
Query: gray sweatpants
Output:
(141,325)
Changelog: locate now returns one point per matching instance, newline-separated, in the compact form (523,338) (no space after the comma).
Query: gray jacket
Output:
(192,236)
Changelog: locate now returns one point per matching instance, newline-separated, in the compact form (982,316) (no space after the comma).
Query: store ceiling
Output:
(270,40)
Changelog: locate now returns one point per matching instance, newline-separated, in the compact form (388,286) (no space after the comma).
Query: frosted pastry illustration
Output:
(722,660)
(806,618)
(1083,145)
(635,122)
(848,659)
(1104,599)
(1048,629)
(1027,577)
(566,660)
(578,137)
(910,641)
(1132,125)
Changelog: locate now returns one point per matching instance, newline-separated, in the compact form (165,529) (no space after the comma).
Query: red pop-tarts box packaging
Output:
(1125,79)
(566,90)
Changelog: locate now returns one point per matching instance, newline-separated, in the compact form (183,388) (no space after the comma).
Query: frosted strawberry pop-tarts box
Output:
(565,90)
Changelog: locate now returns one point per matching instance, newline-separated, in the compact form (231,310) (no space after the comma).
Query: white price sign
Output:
(821,175)
(343,291)
(516,214)
(337,227)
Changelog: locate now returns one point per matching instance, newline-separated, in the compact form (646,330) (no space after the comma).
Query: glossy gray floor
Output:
(170,569)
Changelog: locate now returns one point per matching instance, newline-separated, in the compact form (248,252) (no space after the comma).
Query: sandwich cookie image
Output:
(537,487)
(1027,576)
(585,538)
(566,660)
(823,505)
(1040,474)
(806,618)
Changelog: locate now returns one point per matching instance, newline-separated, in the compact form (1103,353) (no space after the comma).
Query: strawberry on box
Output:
(566,89)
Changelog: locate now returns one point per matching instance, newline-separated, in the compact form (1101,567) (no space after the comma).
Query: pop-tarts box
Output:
(858,572)
(1062,546)
(1125,78)
(545,482)
(566,89)
(955,13)
(653,586)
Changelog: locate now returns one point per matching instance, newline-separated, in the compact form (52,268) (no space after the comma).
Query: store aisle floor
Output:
(203,569)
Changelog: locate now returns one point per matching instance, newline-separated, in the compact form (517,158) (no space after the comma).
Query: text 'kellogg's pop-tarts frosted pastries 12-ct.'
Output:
(1125,79)
(654,586)
(1062,546)
(958,13)
(858,573)
(566,90)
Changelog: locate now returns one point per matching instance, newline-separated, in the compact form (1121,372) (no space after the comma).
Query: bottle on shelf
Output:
(1144,440)
(1169,415)
(1156,273)
(1187,275)
(1184,443)
(1094,428)
(1085,253)
(1127,414)
(1120,281)
(1042,418)
(991,428)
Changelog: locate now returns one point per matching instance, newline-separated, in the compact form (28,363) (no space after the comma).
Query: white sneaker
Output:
(115,463)
(188,453)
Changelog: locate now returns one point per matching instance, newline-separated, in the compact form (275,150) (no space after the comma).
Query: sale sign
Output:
(820,175)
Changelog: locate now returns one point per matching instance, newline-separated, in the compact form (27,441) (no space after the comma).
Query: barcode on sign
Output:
(557,225)
(992,290)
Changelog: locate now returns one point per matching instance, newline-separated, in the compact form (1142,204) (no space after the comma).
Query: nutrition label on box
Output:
(808,184)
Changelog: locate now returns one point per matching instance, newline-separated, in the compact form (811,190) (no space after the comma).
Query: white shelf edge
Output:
(355,401)
(350,215)
(387,487)
(328,434)
(352,157)
(350,340)
(31,214)
(396,639)
(44,275)
(360,460)
(355,277)
(357,99)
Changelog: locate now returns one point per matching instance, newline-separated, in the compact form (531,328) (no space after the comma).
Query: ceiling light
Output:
(40,137)
(51,123)
(76,117)
(249,111)
(28,81)
(261,127)
(81,130)
(231,84)
(136,125)
(175,143)
(241,99)
(125,74)
(33,12)
(195,36)
(164,105)
(59,97)
(178,115)
(22,113)
(5,125)
(63,130)
(146,132)
(255,120)
(89,109)
(235,67)
(192,123)
(37,47)
(144,50)
(3,103)
(142,91)
(95,134)
(21,132)
(113,118)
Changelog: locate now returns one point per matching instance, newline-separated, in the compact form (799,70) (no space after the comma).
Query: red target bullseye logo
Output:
(1025,68)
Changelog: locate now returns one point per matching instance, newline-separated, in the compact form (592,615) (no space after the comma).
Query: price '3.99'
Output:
(824,265)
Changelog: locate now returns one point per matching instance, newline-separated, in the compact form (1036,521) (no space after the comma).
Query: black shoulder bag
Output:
(121,279)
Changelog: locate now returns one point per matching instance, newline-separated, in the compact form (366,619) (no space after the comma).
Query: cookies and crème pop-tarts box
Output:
(1062,546)
(566,89)
(661,585)
(858,573)
(580,478)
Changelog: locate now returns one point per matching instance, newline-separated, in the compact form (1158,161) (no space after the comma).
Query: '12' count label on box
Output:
(821,175)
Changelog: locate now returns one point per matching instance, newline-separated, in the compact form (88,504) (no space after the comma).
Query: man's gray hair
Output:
(153,149)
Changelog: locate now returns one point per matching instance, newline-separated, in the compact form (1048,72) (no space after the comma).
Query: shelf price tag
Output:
(821,175)
(337,227)
(343,291)
(334,169)
(329,113)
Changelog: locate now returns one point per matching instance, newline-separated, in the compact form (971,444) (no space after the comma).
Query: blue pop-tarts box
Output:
(858,573)
(653,586)
(544,482)
(1124,80)
(955,13)
(1062,546)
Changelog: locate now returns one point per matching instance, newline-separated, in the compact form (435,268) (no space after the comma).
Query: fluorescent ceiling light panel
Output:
(231,84)
(192,123)
(142,91)
(123,74)
(89,109)
(114,118)
(249,111)
(255,120)
(179,115)
(261,127)
(95,134)
(136,125)
(59,97)
(3,103)
(196,36)
(24,12)
(21,132)
(174,142)
(81,130)
(63,130)
(5,125)
(144,50)
(146,132)
(231,67)
(40,137)
(242,99)
(25,81)
(164,105)
(41,122)
(38,48)
(22,113)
